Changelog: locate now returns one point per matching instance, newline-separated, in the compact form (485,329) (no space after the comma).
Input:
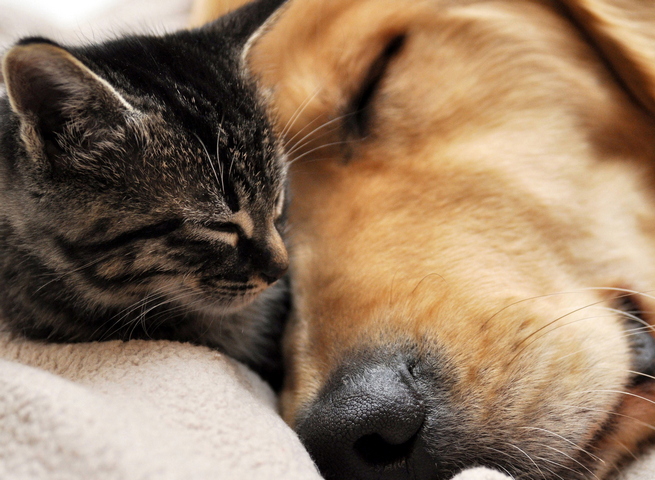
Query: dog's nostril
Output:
(375,450)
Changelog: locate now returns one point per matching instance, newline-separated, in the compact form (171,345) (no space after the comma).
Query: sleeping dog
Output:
(473,233)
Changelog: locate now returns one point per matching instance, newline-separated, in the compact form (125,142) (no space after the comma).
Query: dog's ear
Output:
(329,63)
(624,33)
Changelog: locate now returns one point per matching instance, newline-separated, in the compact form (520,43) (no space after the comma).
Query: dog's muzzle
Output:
(367,422)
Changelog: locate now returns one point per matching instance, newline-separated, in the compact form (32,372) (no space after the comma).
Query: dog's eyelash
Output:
(360,104)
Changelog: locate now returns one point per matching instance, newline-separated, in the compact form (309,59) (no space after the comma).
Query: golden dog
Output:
(473,232)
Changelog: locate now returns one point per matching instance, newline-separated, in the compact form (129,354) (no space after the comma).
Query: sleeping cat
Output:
(142,191)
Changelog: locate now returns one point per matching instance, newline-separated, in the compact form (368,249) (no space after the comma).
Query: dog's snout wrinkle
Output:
(366,424)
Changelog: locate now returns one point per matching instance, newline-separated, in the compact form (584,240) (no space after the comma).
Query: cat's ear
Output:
(240,24)
(55,95)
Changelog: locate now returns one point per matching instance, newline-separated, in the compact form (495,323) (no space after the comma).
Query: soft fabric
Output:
(481,474)
(139,410)
(145,410)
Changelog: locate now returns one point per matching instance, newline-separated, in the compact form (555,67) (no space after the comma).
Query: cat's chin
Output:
(215,307)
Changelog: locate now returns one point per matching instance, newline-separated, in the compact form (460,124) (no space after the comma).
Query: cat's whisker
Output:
(117,320)
(310,136)
(209,159)
(299,111)
(310,140)
(122,314)
(327,145)
(218,158)
(300,133)
(60,275)
(169,313)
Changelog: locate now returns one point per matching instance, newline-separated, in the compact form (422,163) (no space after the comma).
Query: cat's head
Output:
(145,166)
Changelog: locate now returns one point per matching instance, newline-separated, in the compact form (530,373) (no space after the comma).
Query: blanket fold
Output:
(139,410)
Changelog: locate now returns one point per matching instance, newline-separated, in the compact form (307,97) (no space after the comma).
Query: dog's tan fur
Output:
(500,202)
(203,11)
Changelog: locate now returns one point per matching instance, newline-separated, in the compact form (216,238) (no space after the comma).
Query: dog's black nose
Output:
(366,425)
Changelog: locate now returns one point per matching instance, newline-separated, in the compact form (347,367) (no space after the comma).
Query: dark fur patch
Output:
(109,177)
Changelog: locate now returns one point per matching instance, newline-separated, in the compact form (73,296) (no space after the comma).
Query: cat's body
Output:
(142,191)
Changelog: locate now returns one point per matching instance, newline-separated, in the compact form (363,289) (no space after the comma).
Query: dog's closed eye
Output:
(359,110)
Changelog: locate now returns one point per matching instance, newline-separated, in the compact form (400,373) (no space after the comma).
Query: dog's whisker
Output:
(631,316)
(549,324)
(557,464)
(571,442)
(625,293)
(612,413)
(620,392)
(572,459)
(626,334)
(529,458)
(641,374)
(429,275)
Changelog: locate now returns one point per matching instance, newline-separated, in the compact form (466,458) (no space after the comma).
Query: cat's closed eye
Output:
(224,227)
(161,229)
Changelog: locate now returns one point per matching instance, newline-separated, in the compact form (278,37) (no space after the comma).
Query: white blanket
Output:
(144,410)
(139,410)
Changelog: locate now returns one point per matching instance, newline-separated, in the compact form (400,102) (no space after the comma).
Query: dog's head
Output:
(473,232)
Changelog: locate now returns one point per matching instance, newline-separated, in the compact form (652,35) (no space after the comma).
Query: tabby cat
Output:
(142,191)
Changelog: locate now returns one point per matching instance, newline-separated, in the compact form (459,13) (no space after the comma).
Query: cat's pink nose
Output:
(275,268)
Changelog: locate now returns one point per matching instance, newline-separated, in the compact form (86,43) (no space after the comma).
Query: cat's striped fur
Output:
(142,191)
